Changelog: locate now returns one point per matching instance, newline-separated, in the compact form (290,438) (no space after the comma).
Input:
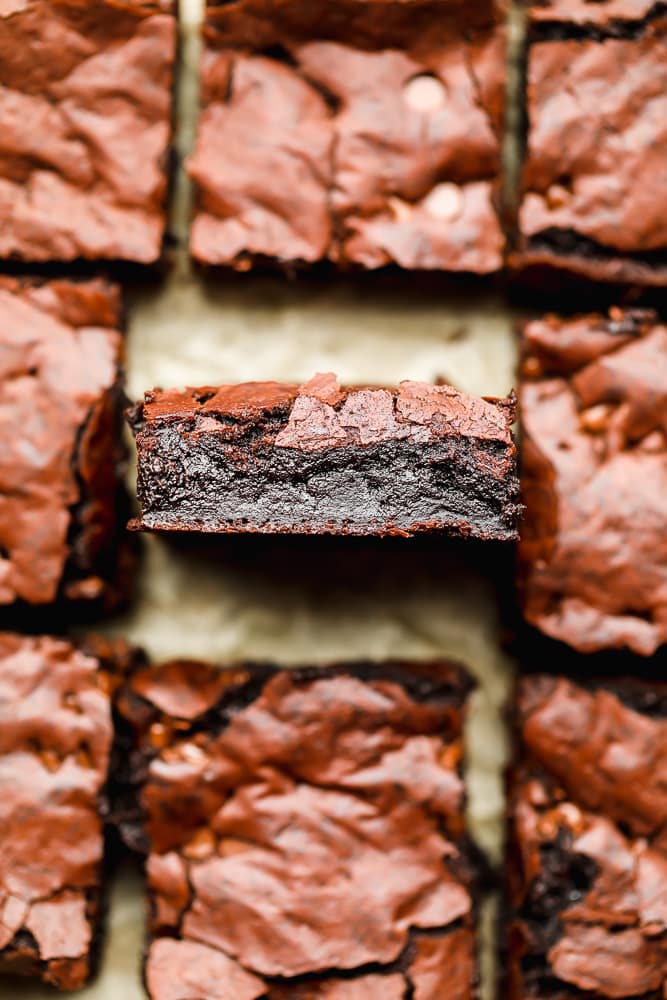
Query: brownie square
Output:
(362,133)
(269,458)
(587,853)
(594,198)
(593,552)
(60,422)
(304,831)
(85,124)
(55,743)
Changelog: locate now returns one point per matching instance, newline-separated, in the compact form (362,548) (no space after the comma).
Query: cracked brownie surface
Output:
(364,133)
(85,108)
(593,553)
(587,850)
(304,831)
(594,184)
(55,742)
(60,423)
(321,459)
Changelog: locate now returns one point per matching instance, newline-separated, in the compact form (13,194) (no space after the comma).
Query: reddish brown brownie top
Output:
(594,413)
(322,414)
(597,137)
(588,813)
(55,739)
(591,12)
(366,133)
(85,110)
(60,353)
(305,823)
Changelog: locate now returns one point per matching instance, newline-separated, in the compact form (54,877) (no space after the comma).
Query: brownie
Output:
(318,459)
(85,123)
(61,421)
(304,831)
(587,852)
(594,188)
(593,552)
(55,744)
(363,133)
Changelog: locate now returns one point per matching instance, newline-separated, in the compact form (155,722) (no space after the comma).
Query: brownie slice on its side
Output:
(85,128)
(587,851)
(594,198)
(271,458)
(61,399)
(55,744)
(367,134)
(304,830)
(593,551)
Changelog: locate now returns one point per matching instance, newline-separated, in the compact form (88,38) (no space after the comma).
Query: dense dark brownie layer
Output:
(364,133)
(60,423)
(85,107)
(319,459)
(55,742)
(305,831)
(594,184)
(588,854)
(593,550)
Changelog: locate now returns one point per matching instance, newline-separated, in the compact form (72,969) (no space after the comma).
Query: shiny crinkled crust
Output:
(587,856)
(305,832)
(594,192)
(60,398)
(367,135)
(55,741)
(88,178)
(593,552)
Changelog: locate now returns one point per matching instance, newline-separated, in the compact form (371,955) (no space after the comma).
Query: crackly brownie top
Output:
(55,738)
(321,414)
(602,13)
(594,412)
(589,811)
(361,132)
(304,823)
(59,356)
(87,179)
(597,109)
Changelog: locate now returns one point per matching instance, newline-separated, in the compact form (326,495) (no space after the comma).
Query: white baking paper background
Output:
(186,332)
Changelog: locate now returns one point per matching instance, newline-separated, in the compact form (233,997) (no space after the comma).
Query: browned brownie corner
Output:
(85,123)
(364,133)
(587,854)
(265,457)
(594,185)
(593,550)
(61,499)
(55,746)
(304,830)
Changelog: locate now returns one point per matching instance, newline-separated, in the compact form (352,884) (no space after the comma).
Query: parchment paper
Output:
(412,600)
